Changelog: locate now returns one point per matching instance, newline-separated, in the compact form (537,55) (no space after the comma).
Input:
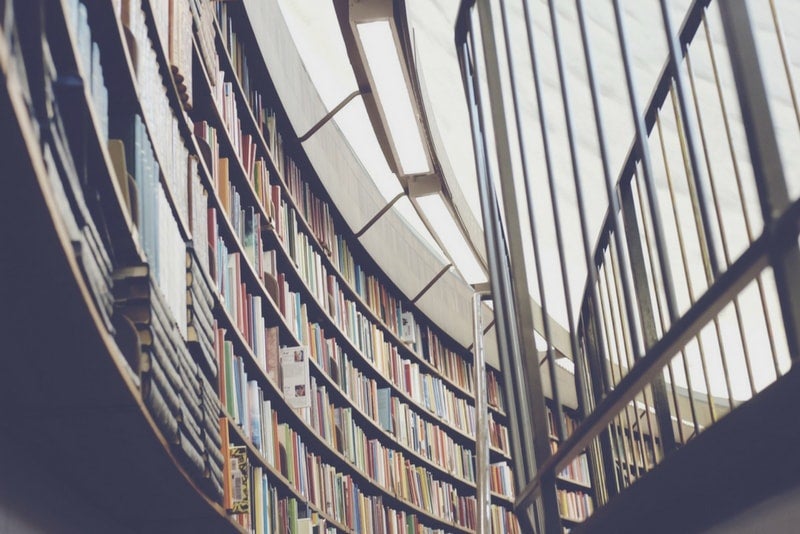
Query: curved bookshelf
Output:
(230,71)
(296,277)
(133,360)
(86,439)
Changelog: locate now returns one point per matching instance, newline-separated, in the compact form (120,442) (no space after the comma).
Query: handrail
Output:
(629,339)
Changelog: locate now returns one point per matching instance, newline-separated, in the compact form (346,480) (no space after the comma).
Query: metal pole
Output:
(482,468)
(766,160)
(532,386)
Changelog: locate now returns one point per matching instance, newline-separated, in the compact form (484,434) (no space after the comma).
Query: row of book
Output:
(171,18)
(289,304)
(501,479)
(153,298)
(574,505)
(422,436)
(162,124)
(89,61)
(570,423)
(203,17)
(426,390)
(503,520)
(309,261)
(577,471)
(285,450)
(264,116)
(318,216)
(633,449)
(244,151)
(498,435)
(233,269)
(493,393)
(64,146)
(160,236)
(258,506)
(249,406)
(177,393)
(335,425)
(200,333)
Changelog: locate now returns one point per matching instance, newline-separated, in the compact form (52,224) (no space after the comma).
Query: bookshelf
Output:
(573,485)
(168,208)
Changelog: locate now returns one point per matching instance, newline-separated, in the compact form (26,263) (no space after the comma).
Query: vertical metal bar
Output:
(745,216)
(608,180)
(615,214)
(557,409)
(785,60)
(641,140)
(682,244)
(646,308)
(629,357)
(535,407)
(619,350)
(707,245)
(591,268)
(605,303)
(497,267)
(632,231)
(768,324)
(605,468)
(717,207)
(482,467)
(650,427)
(728,131)
(765,158)
(684,359)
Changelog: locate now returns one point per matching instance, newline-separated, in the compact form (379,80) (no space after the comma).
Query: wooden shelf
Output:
(97,431)
(73,389)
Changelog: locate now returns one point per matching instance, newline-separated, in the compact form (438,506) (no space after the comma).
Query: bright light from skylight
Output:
(437,213)
(410,215)
(354,123)
(541,342)
(383,62)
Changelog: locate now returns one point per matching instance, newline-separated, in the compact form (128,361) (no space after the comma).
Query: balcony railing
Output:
(691,302)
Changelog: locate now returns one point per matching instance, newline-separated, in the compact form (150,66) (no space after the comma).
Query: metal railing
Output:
(689,307)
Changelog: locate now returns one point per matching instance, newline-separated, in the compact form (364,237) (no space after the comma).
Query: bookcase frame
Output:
(102,440)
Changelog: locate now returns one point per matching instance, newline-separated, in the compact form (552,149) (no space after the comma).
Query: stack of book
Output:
(174,389)
(199,314)
(65,149)
(212,440)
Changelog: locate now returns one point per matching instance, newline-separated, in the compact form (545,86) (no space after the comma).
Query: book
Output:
(240,480)
(384,409)
(273,354)
(295,377)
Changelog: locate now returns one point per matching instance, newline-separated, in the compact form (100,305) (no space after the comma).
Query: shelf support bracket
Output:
(328,116)
(429,285)
(378,215)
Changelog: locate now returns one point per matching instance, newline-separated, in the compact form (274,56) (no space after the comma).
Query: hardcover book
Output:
(295,377)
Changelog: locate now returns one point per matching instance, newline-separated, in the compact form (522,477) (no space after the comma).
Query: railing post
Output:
(766,160)
(646,314)
(603,467)
(497,258)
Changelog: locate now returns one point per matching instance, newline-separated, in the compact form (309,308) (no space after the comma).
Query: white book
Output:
(295,377)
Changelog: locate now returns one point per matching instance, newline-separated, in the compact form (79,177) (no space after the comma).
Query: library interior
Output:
(399,266)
